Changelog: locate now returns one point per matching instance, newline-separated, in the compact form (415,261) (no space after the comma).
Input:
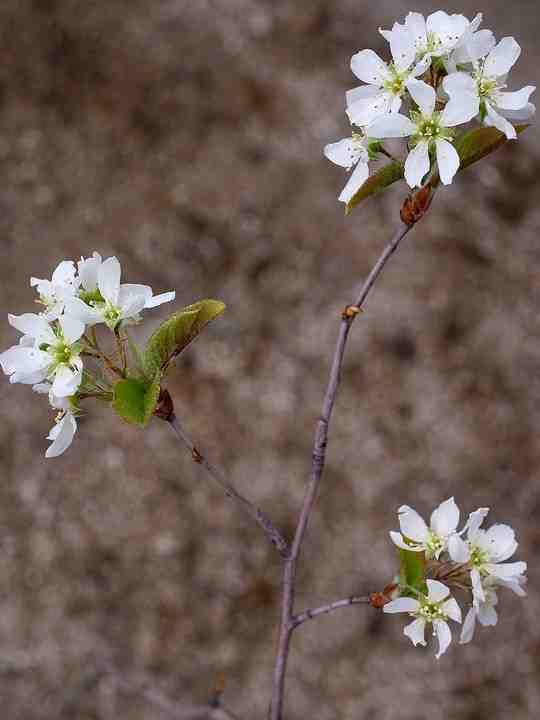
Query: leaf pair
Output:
(135,399)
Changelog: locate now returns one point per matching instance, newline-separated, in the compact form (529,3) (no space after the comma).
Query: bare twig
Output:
(214,710)
(311,613)
(272,533)
(416,209)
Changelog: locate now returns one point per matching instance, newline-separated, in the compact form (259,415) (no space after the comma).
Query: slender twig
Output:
(175,710)
(311,613)
(272,533)
(318,461)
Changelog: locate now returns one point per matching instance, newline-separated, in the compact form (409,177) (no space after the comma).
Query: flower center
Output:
(433,42)
(430,611)
(478,557)
(434,544)
(396,84)
(111,315)
(485,86)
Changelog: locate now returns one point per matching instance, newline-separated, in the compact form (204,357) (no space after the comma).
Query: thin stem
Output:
(272,533)
(318,461)
(311,613)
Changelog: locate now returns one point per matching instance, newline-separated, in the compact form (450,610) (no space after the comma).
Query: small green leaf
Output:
(412,570)
(135,400)
(475,144)
(387,175)
(173,335)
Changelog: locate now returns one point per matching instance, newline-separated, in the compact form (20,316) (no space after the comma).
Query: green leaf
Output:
(135,400)
(387,175)
(475,144)
(173,335)
(412,570)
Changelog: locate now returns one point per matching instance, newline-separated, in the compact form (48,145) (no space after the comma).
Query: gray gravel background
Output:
(186,138)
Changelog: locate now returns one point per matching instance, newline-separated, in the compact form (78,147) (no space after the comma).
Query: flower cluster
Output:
(51,353)
(472,560)
(444,73)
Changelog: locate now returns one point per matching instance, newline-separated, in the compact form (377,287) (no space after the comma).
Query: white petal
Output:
(88,271)
(458,549)
(412,525)
(437,591)
(109,280)
(494,119)
(368,67)
(415,631)
(363,111)
(160,299)
(417,164)
(515,585)
(402,48)
(360,93)
(394,125)
(477,589)
(467,631)
(443,635)
(402,604)
(525,114)
(422,65)
(506,571)
(67,380)
(82,312)
(64,273)
(478,45)
(72,329)
(62,435)
(24,363)
(460,109)
(397,539)
(132,299)
(499,542)
(444,519)
(513,100)
(452,609)
(487,615)
(345,153)
(502,58)
(458,83)
(474,521)
(423,95)
(33,325)
(357,179)
(447,161)
(416,24)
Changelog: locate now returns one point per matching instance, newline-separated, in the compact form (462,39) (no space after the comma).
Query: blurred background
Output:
(186,138)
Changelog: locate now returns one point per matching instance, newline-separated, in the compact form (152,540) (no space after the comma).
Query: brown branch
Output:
(270,530)
(311,613)
(413,210)
(214,710)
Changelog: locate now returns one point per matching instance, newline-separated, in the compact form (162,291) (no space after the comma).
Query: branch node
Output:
(196,456)
(350,312)
(415,206)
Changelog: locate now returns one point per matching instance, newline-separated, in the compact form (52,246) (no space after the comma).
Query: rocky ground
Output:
(186,138)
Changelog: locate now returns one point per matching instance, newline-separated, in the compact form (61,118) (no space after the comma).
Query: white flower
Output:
(485,551)
(435,609)
(429,132)
(65,426)
(386,83)
(54,293)
(486,89)
(417,536)
(438,36)
(347,153)
(46,352)
(484,612)
(103,299)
